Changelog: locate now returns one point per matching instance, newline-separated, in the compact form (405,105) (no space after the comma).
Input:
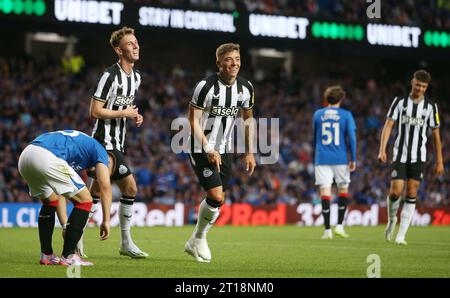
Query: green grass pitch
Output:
(270,252)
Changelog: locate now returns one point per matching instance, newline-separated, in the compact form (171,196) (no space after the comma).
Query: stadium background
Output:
(43,87)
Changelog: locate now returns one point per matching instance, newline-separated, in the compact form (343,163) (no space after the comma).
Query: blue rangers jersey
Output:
(333,129)
(79,150)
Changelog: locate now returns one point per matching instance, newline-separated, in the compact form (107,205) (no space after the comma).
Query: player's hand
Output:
(131,112)
(104,231)
(139,119)
(439,169)
(250,163)
(215,159)
(352,166)
(382,157)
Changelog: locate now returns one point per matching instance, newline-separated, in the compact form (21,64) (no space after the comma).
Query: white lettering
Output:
(397,36)
(20,217)
(101,12)
(191,20)
(5,223)
(278,26)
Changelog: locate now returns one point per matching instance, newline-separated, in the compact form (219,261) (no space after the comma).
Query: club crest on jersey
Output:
(394,174)
(224,111)
(122,100)
(413,121)
(122,169)
(207,172)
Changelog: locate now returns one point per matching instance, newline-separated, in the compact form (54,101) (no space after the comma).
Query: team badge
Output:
(122,169)
(207,172)
(394,173)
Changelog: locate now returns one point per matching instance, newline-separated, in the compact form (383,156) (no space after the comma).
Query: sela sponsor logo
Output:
(122,100)
(413,121)
(224,111)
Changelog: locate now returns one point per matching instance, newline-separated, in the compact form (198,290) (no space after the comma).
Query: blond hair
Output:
(117,36)
(226,48)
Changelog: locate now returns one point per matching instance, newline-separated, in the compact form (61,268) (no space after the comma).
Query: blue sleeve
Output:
(351,130)
(314,127)
(102,156)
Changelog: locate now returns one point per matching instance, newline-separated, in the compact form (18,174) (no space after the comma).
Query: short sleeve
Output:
(199,96)
(103,87)
(393,110)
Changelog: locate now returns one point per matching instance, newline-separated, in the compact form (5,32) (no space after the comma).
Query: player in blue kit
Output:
(49,164)
(333,128)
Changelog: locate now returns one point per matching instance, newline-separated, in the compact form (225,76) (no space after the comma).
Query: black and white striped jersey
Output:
(220,104)
(117,90)
(413,119)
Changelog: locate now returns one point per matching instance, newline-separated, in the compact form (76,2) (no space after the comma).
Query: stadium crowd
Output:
(428,13)
(33,101)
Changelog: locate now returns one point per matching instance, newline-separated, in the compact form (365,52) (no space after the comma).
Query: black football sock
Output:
(75,225)
(326,211)
(342,207)
(46,224)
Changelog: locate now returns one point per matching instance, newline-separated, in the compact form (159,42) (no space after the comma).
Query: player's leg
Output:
(398,177)
(414,175)
(128,189)
(82,202)
(33,163)
(46,225)
(122,176)
(95,193)
(324,180)
(208,212)
(213,183)
(342,208)
(342,178)
(393,203)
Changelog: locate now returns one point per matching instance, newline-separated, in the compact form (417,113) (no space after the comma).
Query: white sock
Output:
(80,245)
(406,216)
(392,208)
(339,227)
(125,214)
(207,215)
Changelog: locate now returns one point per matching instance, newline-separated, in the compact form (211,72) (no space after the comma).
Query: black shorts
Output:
(407,170)
(207,173)
(121,169)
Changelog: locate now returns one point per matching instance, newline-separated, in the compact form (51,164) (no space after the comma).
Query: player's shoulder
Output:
(111,71)
(430,101)
(318,112)
(346,112)
(206,82)
(244,82)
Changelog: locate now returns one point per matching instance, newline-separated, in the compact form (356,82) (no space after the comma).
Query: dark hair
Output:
(423,76)
(334,94)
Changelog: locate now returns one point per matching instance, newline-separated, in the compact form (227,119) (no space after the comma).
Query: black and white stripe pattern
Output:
(413,120)
(220,104)
(117,90)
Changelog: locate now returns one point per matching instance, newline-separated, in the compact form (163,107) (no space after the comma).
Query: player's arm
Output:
(249,129)
(104,185)
(439,169)
(352,142)
(385,134)
(98,111)
(61,212)
(195,116)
